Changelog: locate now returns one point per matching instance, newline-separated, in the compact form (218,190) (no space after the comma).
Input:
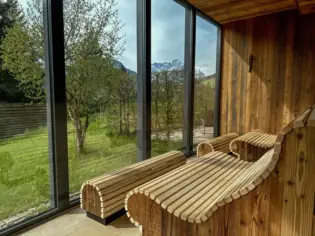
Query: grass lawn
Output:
(24,165)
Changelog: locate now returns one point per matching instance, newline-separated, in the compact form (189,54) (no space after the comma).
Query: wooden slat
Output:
(186,170)
(254,138)
(190,176)
(302,119)
(225,11)
(104,195)
(195,191)
(311,120)
(136,178)
(131,167)
(306,6)
(124,190)
(202,190)
(101,184)
(217,144)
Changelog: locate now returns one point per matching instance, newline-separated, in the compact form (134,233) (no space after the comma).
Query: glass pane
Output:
(101,63)
(24,153)
(205,80)
(168,37)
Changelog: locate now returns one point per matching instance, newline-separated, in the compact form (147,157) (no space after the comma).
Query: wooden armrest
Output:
(255,138)
(221,144)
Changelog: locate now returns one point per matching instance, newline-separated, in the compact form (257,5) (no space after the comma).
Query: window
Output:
(205,80)
(101,63)
(168,36)
(100,58)
(24,144)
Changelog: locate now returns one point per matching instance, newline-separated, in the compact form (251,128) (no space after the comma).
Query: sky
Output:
(168,28)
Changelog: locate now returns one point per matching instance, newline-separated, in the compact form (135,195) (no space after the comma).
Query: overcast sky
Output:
(168,27)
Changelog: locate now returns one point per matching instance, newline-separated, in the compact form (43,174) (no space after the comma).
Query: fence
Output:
(16,118)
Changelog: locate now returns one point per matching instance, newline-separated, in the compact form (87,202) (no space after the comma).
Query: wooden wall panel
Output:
(282,82)
(306,6)
(225,11)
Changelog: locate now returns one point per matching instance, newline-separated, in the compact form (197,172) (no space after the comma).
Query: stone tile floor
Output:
(76,223)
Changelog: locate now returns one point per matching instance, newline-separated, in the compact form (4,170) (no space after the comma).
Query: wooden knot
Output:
(290,182)
(300,135)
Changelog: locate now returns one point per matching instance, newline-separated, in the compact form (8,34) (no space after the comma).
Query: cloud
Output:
(206,46)
(127,10)
(168,31)
(168,34)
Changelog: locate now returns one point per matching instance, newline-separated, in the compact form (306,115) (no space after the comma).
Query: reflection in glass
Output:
(167,75)
(24,151)
(205,80)
(100,58)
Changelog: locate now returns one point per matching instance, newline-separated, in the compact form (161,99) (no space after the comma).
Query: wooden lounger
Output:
(221,144)
(194,191)
(252,145)
(188,200)
(104,196)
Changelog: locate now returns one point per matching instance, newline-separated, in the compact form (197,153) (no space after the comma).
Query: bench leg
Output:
(108,219)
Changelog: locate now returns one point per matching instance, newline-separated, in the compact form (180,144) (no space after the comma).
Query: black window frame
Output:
(56,99)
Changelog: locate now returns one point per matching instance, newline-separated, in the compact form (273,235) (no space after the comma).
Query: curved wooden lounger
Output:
(105,195)
(194,191)
(221,144)
(188,200)
(255,138)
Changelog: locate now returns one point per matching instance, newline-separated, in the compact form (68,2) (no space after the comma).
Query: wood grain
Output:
(225,11)
(221,144)
(105,195)
(311,120)
(281,85)
(306,6)
(273,196)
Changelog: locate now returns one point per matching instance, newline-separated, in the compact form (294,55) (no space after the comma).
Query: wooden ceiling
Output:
(224,11)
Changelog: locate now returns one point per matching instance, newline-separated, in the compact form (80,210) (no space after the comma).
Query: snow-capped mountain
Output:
(175,64)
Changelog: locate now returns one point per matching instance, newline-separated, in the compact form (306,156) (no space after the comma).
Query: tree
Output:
(123,104)
(10,13)
(167,96)
(204,101)
(92,42)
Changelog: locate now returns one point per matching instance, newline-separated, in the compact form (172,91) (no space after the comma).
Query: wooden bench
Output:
(199,198)
(221,144)
(104,196)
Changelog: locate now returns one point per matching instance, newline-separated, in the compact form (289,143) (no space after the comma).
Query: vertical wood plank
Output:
(248,76)
(288,88)
(282,81)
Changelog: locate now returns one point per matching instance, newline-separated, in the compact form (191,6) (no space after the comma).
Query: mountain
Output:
(160,66)
(121,66)
(175,64)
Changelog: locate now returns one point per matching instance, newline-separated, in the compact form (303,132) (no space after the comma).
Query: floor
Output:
(75,223)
